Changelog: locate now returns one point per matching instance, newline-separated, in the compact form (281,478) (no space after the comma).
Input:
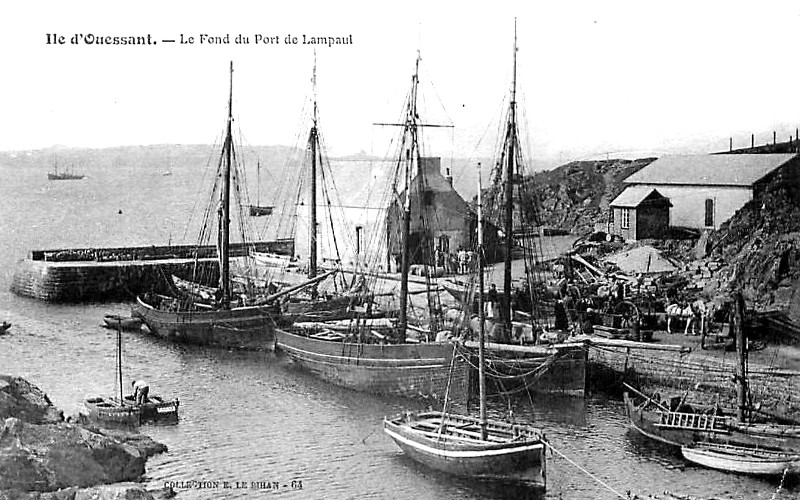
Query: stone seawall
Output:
(704,376)
(88,281)
(80,275)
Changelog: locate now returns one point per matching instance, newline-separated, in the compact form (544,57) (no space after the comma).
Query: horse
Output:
(696,310)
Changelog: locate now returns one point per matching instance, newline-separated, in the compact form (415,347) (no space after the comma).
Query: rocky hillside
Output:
(760,245)
(575,196)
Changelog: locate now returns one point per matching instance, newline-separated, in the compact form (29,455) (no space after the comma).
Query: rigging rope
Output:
(599,481)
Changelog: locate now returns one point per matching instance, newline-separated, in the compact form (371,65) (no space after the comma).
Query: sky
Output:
(594,78)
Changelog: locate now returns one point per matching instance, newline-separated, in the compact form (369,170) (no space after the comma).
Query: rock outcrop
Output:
(21,399)
(43,457)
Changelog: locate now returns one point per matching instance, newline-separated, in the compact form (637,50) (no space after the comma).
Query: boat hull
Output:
(249,328)
(519,460)
(562,372)
(406,370)
(666,428)
(108,411)
(113,321)
(742,460)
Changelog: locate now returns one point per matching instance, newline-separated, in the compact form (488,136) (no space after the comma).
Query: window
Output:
(709,213)
(625,223)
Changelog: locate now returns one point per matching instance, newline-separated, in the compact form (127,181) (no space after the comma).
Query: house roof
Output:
(633,196)
(709,170)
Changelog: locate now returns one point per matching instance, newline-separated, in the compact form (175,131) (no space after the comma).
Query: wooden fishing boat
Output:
(453,444)
(364,357)
(268,259)
(223,322)
(676,423)
(123,410)
(109,411)
(743,460)
(408,370)
(473,447)
(116,321)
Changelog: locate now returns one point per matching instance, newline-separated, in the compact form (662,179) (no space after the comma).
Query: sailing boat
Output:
(310,304)
(63,176)
(123,410)
(709,435)
(258,210)
(476,448)
(220,322)
(547,369)
(376,355)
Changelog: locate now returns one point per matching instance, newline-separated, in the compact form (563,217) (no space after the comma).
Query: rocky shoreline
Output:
(44,456)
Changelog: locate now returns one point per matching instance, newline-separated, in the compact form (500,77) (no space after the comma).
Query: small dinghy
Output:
(115,321)
(742,459)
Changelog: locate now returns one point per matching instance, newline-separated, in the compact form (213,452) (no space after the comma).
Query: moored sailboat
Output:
(473,447)
(715,436)
(125,410)
(225,321)
(392,360)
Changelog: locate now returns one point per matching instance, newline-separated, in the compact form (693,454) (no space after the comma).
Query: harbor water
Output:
(251,425)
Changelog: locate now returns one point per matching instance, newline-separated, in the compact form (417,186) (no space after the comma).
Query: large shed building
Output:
(706,190)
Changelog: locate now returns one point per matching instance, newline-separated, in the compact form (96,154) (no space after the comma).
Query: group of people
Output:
(461,262)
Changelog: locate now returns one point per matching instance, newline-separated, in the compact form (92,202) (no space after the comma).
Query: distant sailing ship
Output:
(259,210)
(63,176)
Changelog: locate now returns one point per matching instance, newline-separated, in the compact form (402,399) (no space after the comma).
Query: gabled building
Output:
(706,190)
(438,215)
(639,212)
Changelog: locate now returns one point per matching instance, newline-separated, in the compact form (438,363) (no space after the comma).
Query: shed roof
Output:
(709,170)
(633,196)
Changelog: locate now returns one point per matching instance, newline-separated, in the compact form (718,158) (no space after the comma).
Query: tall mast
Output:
(411,154)
(741,351)
(225,220)
(312,202)
(509,191)
(119,358)
(258,183)
(481,318)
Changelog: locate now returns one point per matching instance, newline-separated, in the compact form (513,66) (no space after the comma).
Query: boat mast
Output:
(411,127)
(741,351)
(509,192)
(258,183)
(313,140)
(225,220)
(481,318)
(119,358)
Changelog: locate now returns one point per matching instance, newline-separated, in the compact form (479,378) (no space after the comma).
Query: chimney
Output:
(449,177)
(730,147)
(752,140)
(430,166)
(774,138)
